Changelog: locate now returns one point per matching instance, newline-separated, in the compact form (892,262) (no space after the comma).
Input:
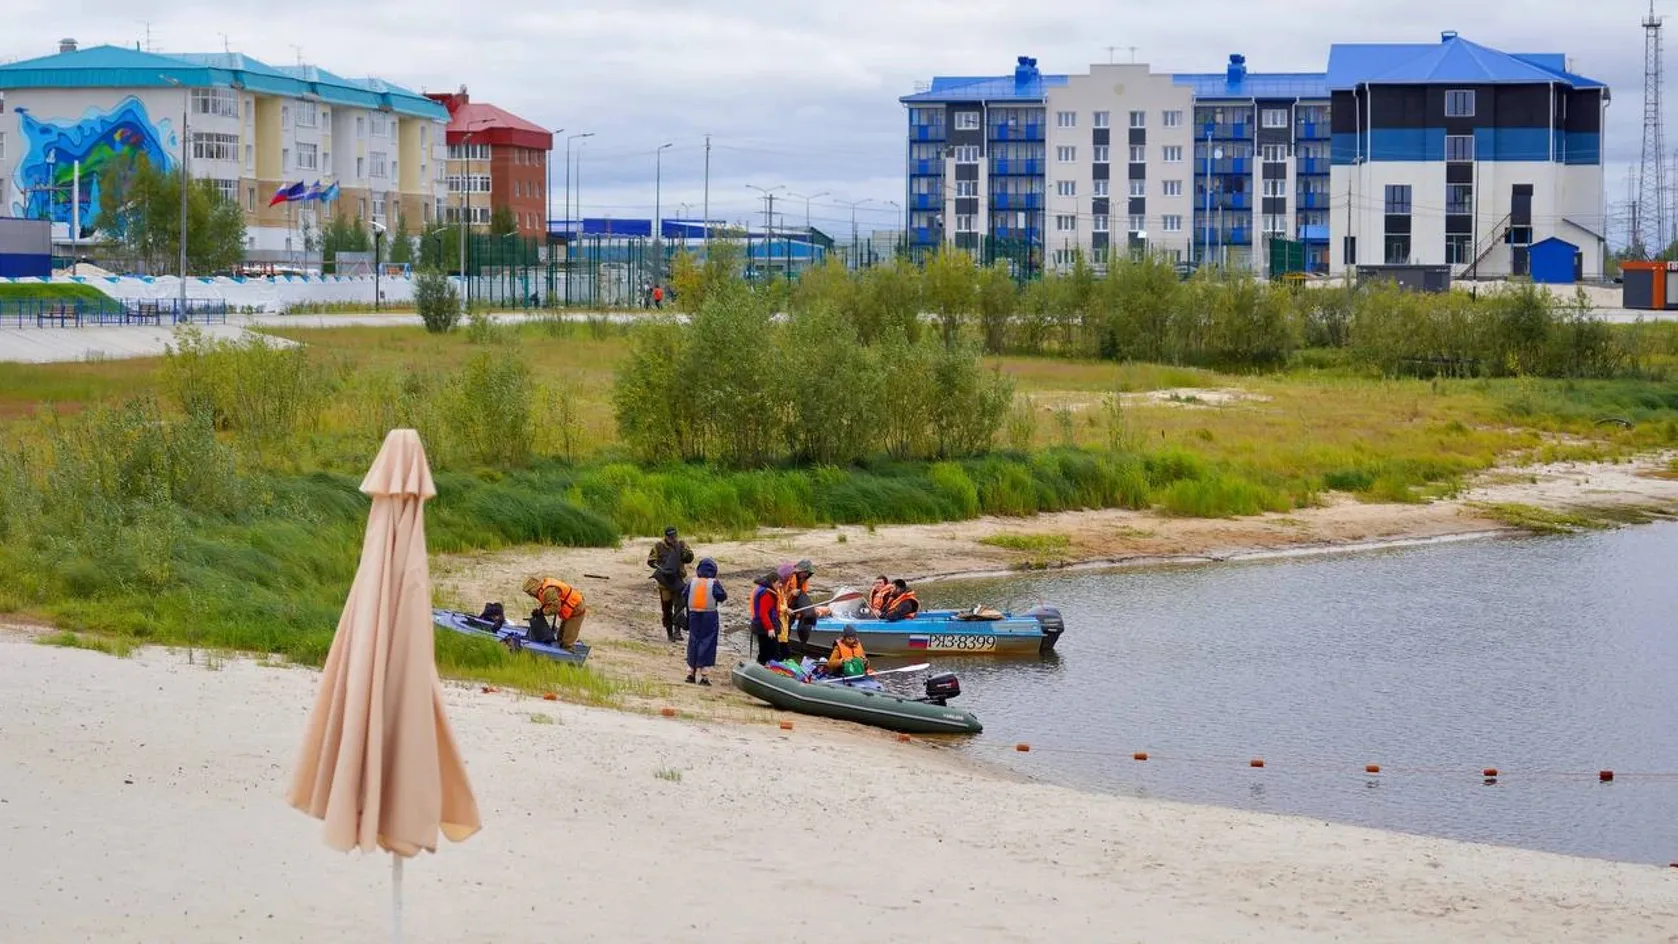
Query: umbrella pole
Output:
(395,898)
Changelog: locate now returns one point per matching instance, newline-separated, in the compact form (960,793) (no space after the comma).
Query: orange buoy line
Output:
(1489,774)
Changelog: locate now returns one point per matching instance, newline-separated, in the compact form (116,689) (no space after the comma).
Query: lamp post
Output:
(186,146)
(768,219)
(438,235)
(466,209)
(807,200)
(568,229)
(658,224)
(378,255)
(548,174)
(903,217)
(853,204)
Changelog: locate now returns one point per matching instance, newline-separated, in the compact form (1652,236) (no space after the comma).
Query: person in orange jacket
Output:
(561,607)
(846,648)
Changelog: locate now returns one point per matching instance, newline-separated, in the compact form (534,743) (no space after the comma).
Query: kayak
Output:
(515,638)
(951,632)
(864,705)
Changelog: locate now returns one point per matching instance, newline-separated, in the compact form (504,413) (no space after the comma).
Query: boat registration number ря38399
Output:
(962,642)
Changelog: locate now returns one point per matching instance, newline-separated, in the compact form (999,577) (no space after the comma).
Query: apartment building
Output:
(1451,153)
(495,159)
(1207,167)
(253,129)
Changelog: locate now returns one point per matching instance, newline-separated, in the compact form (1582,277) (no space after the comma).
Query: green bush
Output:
(437,301)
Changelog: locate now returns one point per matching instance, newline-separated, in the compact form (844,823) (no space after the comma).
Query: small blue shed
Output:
(1555,261)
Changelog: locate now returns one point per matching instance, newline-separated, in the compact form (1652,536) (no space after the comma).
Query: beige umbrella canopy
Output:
(379,765)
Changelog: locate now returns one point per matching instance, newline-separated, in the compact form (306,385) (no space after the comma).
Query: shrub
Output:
(437,301)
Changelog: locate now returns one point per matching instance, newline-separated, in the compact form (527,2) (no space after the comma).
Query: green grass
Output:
(111,646)
(1541,520)
(669,774)
(52,292)
(1038,550)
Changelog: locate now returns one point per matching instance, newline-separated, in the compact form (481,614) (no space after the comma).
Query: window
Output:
(1138,153)
(965,223)
(1066,119)
(1275,224)
(1172,118)
(1459,103)
(1459,147)
(967,120)
(1102,153)
(360,126)
(250,155)
(1459,198)
(1067,154)
(207,146)
(307,116)
(1171,188)
(221,102)
(1274,118)
(1398,249)
(285,116)
(2,145)
(1398,200)
(473,183)
(1173,154)
(1171,223)
(360,167)
(966,153)
(1103,119)
(378,205)
(1275,188)
(376,164)
(1138,224)
(1273,153)
(1066,223)
(967,188)
(226,189)
(250,199)
(1101,188)
(285,159)
(1065,257)
(469,152)
(1457,248)
(326,160)
(380,126)
(1066,188)
(1138,188)
(1099,223)
(308,156)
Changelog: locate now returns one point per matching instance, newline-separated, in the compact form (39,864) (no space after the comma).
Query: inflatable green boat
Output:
(834,699)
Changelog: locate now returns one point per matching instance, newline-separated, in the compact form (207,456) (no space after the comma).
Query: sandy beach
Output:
(141,801)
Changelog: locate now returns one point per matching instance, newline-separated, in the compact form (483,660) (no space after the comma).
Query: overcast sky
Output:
(804,95)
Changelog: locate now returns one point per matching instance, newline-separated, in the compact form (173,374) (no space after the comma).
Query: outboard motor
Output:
(1048,618)
(941,688)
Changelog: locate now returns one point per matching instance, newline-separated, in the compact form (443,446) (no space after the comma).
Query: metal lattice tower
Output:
(1651,177)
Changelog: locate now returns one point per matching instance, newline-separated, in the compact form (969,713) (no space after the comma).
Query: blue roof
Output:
(1254,85)
(1452,60)
(121,67)
(995,88)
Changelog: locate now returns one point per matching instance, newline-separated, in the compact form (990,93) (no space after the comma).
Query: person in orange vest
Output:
(704,592)
(766,617)
(658,296)
(846,648)
(559,614)
(807,611)
(903,603)
(879,599)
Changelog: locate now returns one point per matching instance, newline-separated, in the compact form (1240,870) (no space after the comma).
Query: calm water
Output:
(1538,654)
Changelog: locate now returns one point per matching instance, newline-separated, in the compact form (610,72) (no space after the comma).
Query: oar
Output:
(908,668)
(845,597)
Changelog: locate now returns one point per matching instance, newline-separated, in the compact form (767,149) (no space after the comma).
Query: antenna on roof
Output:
(1110,51)
(299,51)
(148,46)
(225,47)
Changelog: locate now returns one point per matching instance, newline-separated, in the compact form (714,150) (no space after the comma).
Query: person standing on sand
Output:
(766,617)
(704,593)
(806,610)
(669,559)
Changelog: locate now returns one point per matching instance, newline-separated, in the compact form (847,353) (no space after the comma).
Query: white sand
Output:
(141,800)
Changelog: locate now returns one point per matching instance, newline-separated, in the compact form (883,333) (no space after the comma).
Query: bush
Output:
(437,301)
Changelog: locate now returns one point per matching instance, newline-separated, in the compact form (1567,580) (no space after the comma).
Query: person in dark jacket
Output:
(669,559)
(804,610)
(903,604)
(703,593)
(766,617)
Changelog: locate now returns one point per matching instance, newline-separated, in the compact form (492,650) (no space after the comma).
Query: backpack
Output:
(495,615)
(540,629)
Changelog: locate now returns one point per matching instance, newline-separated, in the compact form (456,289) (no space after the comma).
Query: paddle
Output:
(908,668)
(845,597)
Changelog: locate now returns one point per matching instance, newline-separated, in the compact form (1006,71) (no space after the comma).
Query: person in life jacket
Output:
(786,587)
(560,606)
(879,598)
(766,618)
(704,592)
(903,604)
(805,610)
(847,657)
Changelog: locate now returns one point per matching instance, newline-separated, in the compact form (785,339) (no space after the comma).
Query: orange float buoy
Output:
(1022,748)
(1139,755)
(1256,762)
(667,712)
(1606,776)
(487,690)
(786,726)
(549,696)
(1371,768)
(904,738)
(1490,773)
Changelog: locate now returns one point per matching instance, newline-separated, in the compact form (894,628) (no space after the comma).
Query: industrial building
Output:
(361,148)
(1439,153)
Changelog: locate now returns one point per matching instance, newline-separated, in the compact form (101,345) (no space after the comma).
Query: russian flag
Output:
(917,642)
(288,193)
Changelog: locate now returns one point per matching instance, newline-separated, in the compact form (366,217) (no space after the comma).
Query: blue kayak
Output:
(951,632)
(515,638)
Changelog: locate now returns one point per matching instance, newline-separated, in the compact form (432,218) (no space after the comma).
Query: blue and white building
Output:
(1208,166)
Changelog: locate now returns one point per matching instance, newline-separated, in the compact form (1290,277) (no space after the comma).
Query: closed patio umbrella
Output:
(379,765)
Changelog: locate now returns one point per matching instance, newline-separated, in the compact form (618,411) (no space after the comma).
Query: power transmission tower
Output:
(1651,210)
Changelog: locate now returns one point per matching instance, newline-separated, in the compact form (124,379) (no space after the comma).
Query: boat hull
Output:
(940,632)
(845,703)
(513,637)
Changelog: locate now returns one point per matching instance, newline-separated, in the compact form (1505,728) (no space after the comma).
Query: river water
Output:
(1538,656)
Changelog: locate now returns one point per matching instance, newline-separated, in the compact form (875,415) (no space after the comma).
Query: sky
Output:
(803,96)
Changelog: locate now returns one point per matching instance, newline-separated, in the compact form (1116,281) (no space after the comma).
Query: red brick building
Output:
(495,159)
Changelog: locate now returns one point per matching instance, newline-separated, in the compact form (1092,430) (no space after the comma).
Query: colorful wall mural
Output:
(44,174)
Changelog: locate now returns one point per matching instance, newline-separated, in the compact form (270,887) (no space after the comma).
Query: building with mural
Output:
(293,145)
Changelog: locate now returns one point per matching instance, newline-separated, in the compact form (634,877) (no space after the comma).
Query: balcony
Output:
(1237,166)
(927,133)
(1019,168)
(1312,130)
(926,201)
(1232,201)
(1240,131)
(926,168)
(1313,165)
(1016,132)
(927,235)
(1313,201)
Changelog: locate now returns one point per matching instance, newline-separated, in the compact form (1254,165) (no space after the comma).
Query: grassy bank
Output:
(210,499)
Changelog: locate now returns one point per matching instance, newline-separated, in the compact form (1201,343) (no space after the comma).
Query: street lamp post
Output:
(853,204)
(186,146)
(768,219)
(548,172)
(568,229)
(809,234)
(658,224)
(903,217)
(378,244)
(466,209)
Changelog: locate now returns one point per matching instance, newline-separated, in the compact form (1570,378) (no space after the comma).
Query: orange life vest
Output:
(842,651)
(880,599)
(569,597)
(702,598)
(906,597)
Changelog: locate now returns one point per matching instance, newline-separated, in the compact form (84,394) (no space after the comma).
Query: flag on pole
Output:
(329,194)
(287,194)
